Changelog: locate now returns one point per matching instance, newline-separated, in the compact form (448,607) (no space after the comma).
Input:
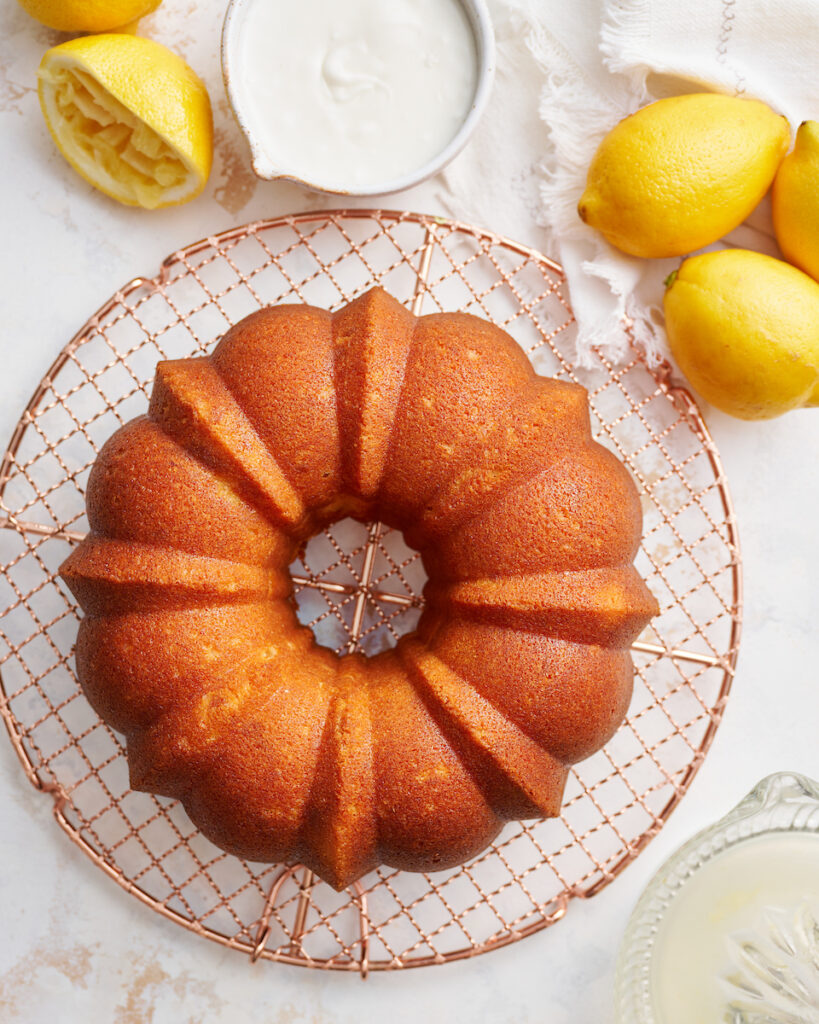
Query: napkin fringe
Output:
(576,107)
(576,115)
(623,325)
(625,33)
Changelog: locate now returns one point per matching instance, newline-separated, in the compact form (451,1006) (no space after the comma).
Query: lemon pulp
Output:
(130,116)
(111,143)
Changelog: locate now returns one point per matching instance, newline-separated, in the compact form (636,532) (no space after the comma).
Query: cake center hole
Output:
(358,587)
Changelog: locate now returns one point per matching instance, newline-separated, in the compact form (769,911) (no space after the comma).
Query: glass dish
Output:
(774,970)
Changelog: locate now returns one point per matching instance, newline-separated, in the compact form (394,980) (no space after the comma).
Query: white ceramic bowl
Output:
(264,165)
(785,802)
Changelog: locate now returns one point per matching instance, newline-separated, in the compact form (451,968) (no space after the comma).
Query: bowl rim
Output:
(480,22)
(785,801)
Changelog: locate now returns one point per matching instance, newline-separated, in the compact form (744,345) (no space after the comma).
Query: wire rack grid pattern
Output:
(358,586)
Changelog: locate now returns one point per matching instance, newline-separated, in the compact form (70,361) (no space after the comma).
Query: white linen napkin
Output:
(590,63)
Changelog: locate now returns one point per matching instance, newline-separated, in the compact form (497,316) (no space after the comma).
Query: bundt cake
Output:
(190,646)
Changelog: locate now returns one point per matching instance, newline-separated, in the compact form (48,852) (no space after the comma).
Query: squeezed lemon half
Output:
(130,116)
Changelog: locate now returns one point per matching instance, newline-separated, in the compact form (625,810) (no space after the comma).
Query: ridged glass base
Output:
(727,929)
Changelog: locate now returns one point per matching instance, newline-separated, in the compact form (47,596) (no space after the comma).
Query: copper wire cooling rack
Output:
(358,587)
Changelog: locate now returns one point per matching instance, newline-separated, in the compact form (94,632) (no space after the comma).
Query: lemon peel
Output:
(682,172)
(795,201)
(88,15)
(744,329)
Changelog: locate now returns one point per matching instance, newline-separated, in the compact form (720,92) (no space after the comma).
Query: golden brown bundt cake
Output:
(190,646)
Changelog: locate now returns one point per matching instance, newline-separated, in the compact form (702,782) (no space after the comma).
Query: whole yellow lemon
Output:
(682,172)
(744,329)
(88,15)
(796,201)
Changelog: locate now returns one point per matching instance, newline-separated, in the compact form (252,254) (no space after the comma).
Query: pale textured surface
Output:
(73,946)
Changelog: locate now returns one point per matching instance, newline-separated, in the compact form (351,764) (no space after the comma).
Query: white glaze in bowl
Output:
(265,165)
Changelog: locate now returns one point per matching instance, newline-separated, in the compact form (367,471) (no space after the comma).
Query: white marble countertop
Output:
(73,946)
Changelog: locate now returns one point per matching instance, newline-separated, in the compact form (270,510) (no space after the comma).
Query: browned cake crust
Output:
(279,749)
